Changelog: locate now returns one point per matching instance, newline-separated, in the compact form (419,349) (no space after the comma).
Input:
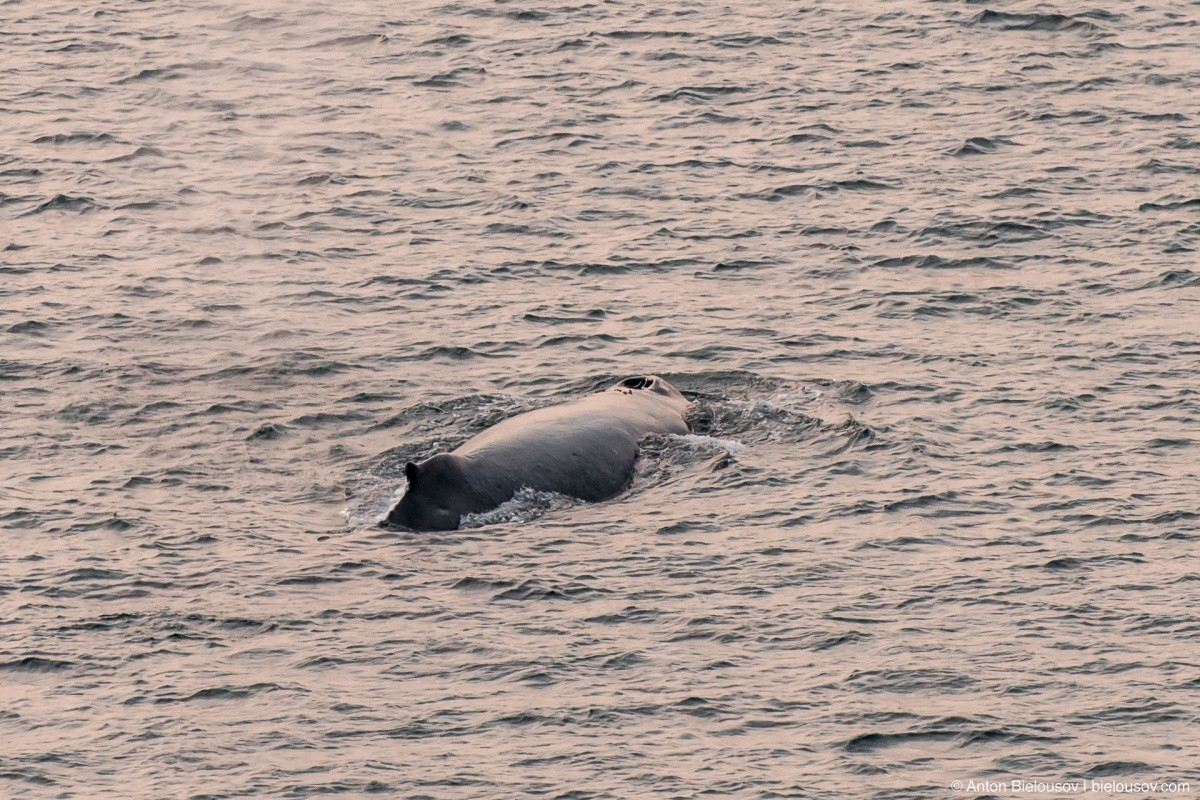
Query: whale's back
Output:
(585,449)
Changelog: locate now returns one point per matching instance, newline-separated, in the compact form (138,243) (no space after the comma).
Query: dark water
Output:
(928,268)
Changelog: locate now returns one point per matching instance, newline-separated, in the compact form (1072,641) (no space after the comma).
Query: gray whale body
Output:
(585,449)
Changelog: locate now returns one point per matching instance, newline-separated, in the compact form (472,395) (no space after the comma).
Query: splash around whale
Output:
(585,449)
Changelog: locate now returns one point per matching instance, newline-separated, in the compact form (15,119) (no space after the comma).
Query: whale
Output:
(586,449)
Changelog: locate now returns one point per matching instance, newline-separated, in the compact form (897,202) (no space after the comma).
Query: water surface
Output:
(927,268)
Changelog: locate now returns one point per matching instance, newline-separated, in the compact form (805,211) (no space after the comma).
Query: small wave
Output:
(66,202)
(1171,205)
(220,693)
(981,145)
(626,35)
(1013,21)
(150,75)
(818,189)
(350,41)
(536,589)
(76,138)
(30,327)
(743,40)
(35,664)
(268,432)
(1183,143)
(453,78)
(1174,277)
(245,22)
(799,138)
(595,315)
(452,40)
(141,152)
(699,94)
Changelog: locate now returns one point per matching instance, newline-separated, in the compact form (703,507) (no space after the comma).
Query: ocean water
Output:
(928,270)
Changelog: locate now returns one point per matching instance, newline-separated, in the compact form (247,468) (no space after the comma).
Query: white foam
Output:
(525,505)
(728,445)
(374,504)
